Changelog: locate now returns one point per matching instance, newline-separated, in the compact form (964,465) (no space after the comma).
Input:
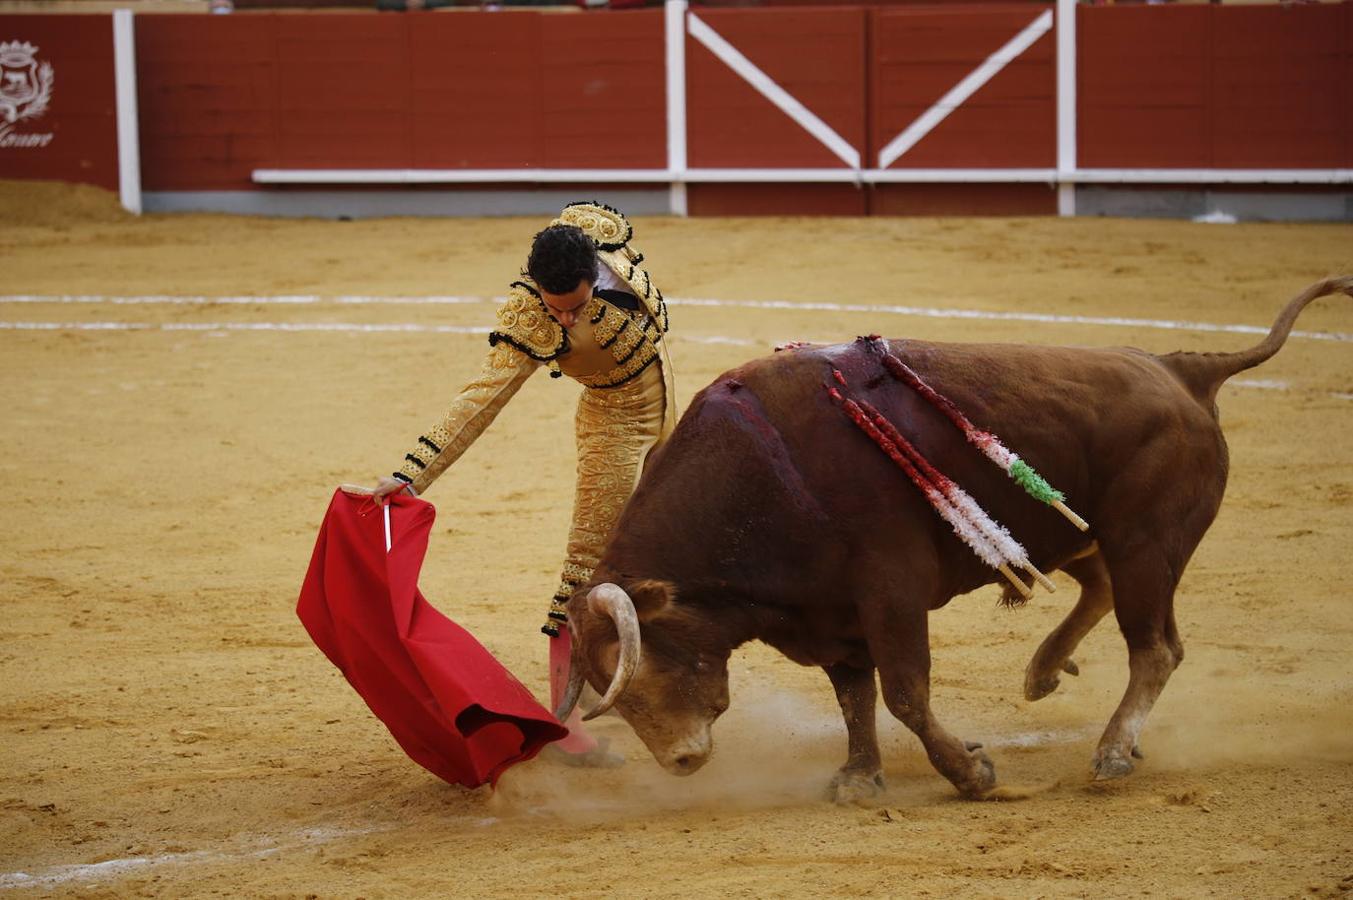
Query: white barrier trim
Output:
(674,24)
(960,92)
(1066,106)
(867,176)
(454,176)
(788,104)
(709,176)
(1212,176)
(128,121)
(951,176)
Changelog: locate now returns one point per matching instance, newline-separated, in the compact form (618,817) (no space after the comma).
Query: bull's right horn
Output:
(611,601)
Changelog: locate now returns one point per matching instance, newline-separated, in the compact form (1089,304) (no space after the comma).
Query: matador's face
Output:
(565,308)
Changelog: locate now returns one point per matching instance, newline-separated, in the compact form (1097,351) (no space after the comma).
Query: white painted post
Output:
(128,122)
(676,103)
(1066,107)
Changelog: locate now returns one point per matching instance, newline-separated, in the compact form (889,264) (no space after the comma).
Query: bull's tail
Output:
(1204,373)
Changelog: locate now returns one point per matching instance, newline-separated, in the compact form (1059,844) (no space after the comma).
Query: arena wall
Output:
(846,109)
(65,130)
(1245,87)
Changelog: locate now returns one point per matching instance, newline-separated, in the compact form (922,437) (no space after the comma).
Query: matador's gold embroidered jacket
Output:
(616,353)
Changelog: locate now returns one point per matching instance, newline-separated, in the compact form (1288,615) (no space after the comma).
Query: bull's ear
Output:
(651,597)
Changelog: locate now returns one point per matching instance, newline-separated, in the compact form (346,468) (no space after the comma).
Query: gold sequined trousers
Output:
(616,427)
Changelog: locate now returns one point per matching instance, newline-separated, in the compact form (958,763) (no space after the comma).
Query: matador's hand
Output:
(388,485)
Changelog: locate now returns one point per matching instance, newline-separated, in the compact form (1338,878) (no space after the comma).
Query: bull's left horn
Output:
(611,601)
(574,689)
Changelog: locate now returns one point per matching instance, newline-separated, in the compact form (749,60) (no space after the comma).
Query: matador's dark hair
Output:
(561,257)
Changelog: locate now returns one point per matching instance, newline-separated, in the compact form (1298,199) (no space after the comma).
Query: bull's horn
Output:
(611,600)
(574,689)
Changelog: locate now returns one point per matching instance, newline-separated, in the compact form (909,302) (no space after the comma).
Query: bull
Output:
(768,516)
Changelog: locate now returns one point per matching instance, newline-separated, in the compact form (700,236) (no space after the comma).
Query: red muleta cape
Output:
(452,707)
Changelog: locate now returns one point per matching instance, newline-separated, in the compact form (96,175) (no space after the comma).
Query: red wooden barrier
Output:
(1216,87)
(1143,91)
(920,54)
(1280,90)
(343,91)
(1255,87)
(58,116)
(522,89)
(207,89)
(223,95)
(816,55)
(603,100)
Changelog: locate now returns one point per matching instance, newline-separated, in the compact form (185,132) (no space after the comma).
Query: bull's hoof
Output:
(1039,682)
(853,788)
(1040,687)
(983,777)
(1111,764)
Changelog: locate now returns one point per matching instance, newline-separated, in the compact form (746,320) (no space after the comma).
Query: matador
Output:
(587,309)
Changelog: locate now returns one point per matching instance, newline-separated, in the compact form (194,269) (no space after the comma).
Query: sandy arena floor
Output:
(168,729)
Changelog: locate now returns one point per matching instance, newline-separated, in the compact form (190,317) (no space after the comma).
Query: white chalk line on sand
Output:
(1028,739)
(785,305)
(414,327)
(716,339)
(242,300)
(354,327)
(255,848)
(996,316)
(1262,384)
(95,871)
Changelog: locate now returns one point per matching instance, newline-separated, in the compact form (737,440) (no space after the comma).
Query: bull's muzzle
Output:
(687,756)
